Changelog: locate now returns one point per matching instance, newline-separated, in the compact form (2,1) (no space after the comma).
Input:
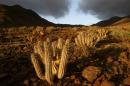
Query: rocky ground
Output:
(107,65)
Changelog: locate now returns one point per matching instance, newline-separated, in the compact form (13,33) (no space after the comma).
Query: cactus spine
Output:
(64,59)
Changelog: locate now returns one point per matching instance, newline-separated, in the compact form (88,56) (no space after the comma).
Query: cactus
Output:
(86,40)
(47,52)
(102,34)
(54,68)
(54,48)
(90,39)
(39,49)
(64,59)
(48,63)
(37,66)
(60,43)
(81,42)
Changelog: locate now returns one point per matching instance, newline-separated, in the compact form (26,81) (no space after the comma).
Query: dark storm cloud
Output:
(55,8)
(105,8)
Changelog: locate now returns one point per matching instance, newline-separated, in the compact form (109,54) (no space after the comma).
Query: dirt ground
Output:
(107,65)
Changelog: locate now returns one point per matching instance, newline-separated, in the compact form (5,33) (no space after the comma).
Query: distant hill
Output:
(19,16)
(114,21)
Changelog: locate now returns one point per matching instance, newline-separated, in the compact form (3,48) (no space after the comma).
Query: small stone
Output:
(89,85)
(85,83)
(72,77)
(109,59)
(33,79)
(3,75)
(35,84)
(116,63)
(127,81)
(107,83)
(26,82)
(91,73)
(77,81)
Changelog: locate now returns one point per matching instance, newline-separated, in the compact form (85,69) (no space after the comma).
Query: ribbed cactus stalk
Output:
(60,43)
(54,48)
(80,41)
(77,41)
(48,62)
(37,66)
(82,36)
(64,59)
(54,68)
(39,48)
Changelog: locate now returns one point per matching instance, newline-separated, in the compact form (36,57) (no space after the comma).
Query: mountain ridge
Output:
(116,20)
(18,16)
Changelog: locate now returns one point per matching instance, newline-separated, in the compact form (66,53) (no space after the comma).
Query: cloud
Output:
(55,8)
(104,9)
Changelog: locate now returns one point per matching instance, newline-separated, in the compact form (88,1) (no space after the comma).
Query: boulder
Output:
(91,73)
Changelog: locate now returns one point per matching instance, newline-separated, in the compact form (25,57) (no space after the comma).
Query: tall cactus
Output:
(48,63)
(37,66)
(53,66)
(39,48)
(64,59)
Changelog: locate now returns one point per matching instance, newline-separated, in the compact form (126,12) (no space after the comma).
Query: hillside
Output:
(114,21)
(19,16)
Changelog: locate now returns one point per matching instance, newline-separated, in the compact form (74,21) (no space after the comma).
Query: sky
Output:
(74,16)
(84,12)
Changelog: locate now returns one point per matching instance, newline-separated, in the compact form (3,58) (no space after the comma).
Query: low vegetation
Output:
(65,56)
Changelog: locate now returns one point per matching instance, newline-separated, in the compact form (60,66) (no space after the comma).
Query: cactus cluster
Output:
(54,56)
(87,40)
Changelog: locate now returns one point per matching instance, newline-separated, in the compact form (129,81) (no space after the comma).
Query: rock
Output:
(127,81)
(4,75)
(77,81)
(84,83)
(33,79)
(109,59)
(72,77)
(26,82)
(91,73)
(107,83)
(89,85)
(98,80)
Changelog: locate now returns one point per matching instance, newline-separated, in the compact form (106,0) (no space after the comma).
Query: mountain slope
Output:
(114,21)
(18,16)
